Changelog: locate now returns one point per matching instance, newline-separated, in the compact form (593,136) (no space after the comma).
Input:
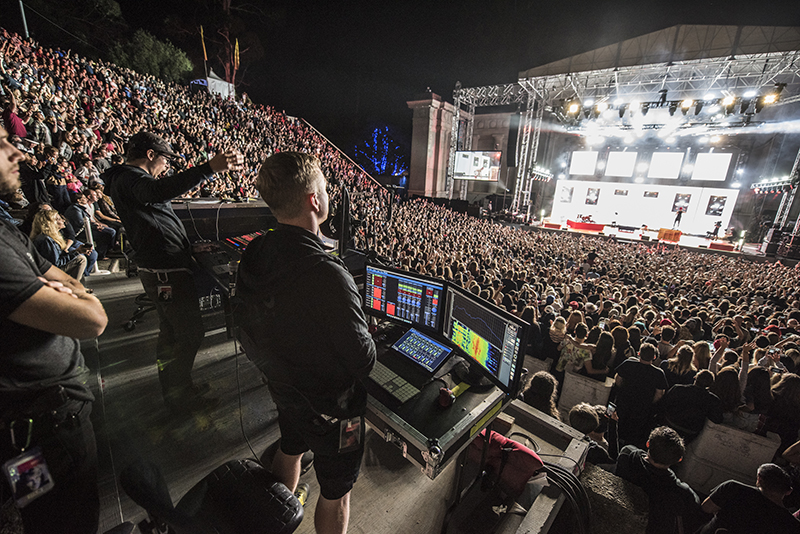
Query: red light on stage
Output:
(390,308)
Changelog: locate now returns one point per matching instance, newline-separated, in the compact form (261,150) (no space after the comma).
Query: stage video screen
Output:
(583,163)
(493,339)
(621,164)
(474,165)
(405,297)
(665,165)
(712,166)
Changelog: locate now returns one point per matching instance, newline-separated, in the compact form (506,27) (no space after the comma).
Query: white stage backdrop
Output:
(637,204)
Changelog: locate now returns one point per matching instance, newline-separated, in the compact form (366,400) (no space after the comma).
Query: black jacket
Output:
(158,237)
(303,311)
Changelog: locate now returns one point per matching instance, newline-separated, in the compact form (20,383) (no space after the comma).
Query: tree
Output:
(381,154)
(144,53)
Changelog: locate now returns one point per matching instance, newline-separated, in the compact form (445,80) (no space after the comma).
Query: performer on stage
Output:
(678,216)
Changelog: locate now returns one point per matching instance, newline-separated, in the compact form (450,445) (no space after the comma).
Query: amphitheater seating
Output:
(577,389)
(723,453)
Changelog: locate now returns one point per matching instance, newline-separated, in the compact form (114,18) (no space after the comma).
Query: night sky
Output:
(348,65)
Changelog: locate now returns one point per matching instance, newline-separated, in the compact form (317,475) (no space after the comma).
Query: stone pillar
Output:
(430,145)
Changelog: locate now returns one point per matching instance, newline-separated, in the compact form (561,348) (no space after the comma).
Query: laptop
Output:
(409,364)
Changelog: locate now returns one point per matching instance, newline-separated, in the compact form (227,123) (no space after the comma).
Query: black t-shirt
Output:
(688,407)
(674,378)
(745,510)
(639,384)
(669,497)
(33,360)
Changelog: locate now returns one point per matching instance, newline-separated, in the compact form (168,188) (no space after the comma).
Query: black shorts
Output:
(337,472)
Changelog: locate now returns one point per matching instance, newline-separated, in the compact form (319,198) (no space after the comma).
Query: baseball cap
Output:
(151,141)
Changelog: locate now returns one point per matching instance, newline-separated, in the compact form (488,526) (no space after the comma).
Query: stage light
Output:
(662,99)
(703,140)
(736,185)
(618,102)
(573,108)
(628,139)
(716,139)
(750,94)
(673,106)
(589,103)
(671,139)
(635,106)
(639,180)
(645,108)
(739,171)
(765,100)
(744,105)
(622,109)
(709,96)
(698,107)
(728,103)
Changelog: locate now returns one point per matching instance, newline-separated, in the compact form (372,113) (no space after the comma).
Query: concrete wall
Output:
(430,146)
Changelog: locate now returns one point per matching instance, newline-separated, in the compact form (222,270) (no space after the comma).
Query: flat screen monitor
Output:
(404,297)
(476,165)
(583,163)
(712,166)
(665,165)
(621,164)
(490,337)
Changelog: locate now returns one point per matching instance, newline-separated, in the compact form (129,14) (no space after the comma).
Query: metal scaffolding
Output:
(745,77)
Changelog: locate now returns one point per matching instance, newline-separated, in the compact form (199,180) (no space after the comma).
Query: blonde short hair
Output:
(284,179)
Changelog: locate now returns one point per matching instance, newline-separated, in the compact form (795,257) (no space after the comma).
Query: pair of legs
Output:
(330,516)
(181,330)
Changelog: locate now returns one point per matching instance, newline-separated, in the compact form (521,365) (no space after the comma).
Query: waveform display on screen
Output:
(482,332)
(477,347)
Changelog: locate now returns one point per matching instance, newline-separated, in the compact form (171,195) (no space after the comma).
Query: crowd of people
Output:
(687,337)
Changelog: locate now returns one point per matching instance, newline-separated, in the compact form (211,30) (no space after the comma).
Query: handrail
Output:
(342,152)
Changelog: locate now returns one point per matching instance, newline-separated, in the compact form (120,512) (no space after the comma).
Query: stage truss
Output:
(656,86)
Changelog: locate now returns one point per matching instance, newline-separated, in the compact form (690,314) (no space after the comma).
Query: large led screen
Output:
(475,165)
(583,163)
(665,165)
(712,166)
(621,164)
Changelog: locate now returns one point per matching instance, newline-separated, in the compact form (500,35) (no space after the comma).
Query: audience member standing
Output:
(640,385)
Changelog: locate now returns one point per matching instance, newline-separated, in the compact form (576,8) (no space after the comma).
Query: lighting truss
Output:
(686,79)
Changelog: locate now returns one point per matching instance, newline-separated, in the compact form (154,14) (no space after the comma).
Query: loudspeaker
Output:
(513,133)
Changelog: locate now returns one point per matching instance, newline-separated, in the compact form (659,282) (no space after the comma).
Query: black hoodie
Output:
(158,237)
(303,311)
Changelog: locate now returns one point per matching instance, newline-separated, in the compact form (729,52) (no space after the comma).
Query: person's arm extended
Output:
(62,306)
(147,189)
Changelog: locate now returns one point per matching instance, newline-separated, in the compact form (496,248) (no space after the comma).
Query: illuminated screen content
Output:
(403,297)
(474,165)
(494,342)
(712,166)
(665,165)
(583,163)
(621,164)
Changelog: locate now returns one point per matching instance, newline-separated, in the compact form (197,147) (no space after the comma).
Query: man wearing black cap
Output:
(142,195)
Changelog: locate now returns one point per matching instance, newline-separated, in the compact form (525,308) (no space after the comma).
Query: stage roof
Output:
(679,43)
